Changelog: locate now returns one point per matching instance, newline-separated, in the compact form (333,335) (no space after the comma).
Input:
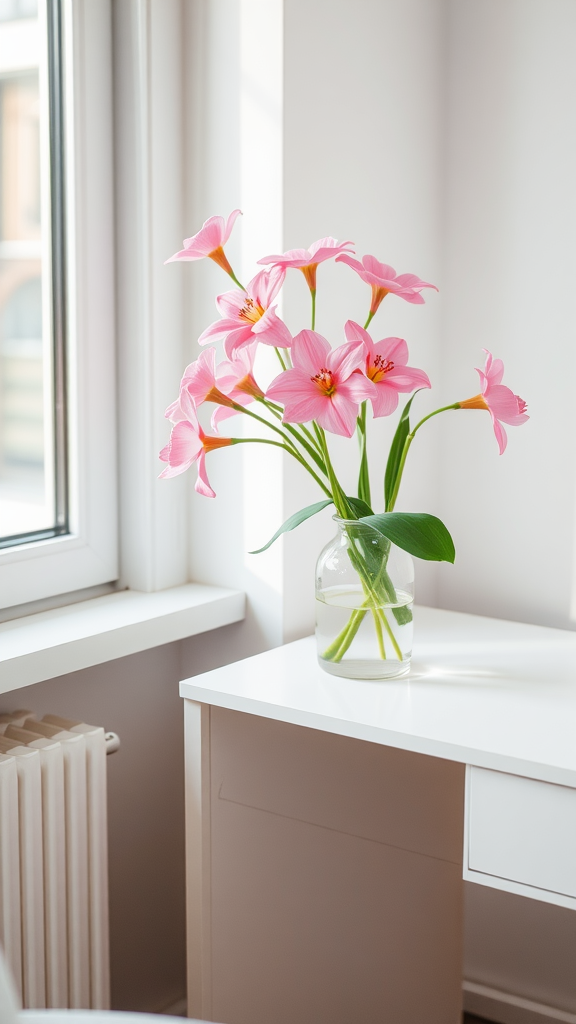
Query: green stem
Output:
(282,363)
(307,447)
(291,451)
(310,437)
(379,636)
(340,501)
(340,645)
(313,294)
(288,445)
(261,419)
(364,475)
(388,629)
(406,449)
(276,411)
(235,279)
(370,315)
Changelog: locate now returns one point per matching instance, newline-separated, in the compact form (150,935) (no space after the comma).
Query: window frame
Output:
(88,554)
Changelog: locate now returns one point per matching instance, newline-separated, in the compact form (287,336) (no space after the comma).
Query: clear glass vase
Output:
(364,599)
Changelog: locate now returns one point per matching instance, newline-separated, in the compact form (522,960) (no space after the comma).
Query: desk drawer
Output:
(522,831)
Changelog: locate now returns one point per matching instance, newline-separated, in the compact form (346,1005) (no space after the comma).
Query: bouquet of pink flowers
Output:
(319,391)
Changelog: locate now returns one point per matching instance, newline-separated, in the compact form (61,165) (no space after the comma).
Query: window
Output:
(33,449)
(57,382)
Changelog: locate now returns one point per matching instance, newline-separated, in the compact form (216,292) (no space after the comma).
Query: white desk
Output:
(315,856)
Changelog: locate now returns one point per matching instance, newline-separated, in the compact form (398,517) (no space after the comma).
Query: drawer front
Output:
(522,830)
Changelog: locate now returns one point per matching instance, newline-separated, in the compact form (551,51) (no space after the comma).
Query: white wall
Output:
(510,266)
(509,285)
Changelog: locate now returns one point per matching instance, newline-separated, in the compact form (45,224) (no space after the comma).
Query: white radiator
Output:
(53,860)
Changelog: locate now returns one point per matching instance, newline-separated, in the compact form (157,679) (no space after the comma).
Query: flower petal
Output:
(386,400)
(229,225)
(357,388)
(185,445)
(504,404)
(355,264)
(241,336)
(354,332)
(289,384)
(342,361)
(493,369)
(382,271)
(408,378)
(271,330)
(174,411)
(292,258)
(327,248)
(310,352)
(219,329)
(230,303)
(500,434)
(266,285)
(186,254)
(338,415)
(202,485)
(199,377)
(209,237)
(394,350)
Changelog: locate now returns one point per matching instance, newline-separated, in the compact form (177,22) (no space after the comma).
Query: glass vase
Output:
(364,599)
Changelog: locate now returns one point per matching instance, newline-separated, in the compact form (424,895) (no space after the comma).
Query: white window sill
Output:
(52,643)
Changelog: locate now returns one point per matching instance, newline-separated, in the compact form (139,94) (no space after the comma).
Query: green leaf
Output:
(396,449)
(294,521)
(360,506)
(418,533)
(403,615)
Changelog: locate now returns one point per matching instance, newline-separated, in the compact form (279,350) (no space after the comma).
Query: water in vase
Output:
(381,644)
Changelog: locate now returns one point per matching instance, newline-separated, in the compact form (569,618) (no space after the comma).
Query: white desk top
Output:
(481,691)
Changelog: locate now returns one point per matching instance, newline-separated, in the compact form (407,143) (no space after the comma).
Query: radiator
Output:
(53,860)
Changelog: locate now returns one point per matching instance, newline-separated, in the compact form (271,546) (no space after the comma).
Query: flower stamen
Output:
(380,367)
(324,382)
(251,311)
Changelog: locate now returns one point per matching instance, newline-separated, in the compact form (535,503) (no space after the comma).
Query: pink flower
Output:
(384,280)
(323,385)
(236,380)
(249,315)
(198,384)
(307,260)
(386,367)
(188,444)
(502,404)
(209,241)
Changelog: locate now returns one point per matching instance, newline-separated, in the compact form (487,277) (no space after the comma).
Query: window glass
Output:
(28,389)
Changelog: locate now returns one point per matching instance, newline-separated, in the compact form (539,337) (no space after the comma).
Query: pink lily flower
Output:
(384,279)
(236,379)
(502,404)
(209,241)
(307,260)
(189,444)
(386,366)
(323,385)
(199,385)
(248,315)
